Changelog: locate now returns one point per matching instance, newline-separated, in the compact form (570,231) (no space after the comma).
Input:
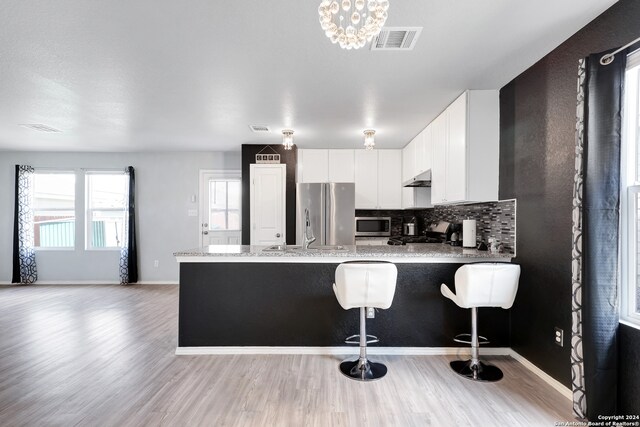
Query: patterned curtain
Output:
(595,312)
(129,251)
(24,257)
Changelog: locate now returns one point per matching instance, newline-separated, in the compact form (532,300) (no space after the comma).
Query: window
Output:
(54,210)
(106,200)
(224,205)
(630,193)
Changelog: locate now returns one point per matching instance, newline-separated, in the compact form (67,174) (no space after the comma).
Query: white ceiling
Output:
(151,75)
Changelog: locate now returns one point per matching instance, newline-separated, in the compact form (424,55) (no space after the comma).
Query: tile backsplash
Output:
(494,219)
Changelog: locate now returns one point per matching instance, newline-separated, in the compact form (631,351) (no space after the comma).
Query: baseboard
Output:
(566,392)
(378,351)
(95,282)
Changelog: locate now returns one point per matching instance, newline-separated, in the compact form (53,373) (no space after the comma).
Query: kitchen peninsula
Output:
(233,295)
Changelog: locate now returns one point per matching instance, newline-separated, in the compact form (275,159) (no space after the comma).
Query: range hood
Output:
(422,180)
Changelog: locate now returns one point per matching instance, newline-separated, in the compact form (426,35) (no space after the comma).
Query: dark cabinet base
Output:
(293,304)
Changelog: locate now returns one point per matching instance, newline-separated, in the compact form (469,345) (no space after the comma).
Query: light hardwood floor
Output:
(104,356)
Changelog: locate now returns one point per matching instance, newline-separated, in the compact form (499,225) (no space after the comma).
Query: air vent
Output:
(39,127)
(259,128)
(396,38)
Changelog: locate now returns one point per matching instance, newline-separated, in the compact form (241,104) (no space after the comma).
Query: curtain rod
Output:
(609,57)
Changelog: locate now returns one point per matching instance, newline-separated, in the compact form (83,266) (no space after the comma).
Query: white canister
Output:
(469,233)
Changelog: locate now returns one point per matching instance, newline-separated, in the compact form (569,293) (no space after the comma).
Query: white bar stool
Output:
(481,285)
(364,284)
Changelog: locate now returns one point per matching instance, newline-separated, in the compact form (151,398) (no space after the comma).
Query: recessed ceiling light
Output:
(39,127)
(259,128)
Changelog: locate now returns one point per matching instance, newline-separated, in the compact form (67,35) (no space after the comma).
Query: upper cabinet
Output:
(325,166)
(378,177)
(465,149)
(313,165)
(341,166)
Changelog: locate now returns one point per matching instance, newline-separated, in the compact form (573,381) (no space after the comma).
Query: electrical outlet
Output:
(156,263)
(559,337)
(371,312)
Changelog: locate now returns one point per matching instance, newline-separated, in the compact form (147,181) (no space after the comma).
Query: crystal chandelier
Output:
(287,139)
(352,23)
(369,143)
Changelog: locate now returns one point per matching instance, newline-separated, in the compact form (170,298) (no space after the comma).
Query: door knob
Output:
(205,232)
(205,225)
(277,234)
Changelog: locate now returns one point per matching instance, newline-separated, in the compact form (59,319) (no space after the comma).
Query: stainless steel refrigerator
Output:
(331,212)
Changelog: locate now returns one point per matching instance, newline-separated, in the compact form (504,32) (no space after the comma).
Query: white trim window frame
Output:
(115,211)
(53,210)
(630,195)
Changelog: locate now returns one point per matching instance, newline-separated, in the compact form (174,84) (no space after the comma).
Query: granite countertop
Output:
(433,251)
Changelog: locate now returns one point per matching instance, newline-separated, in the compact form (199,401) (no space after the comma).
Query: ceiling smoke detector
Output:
(396,38)
(259,128)
(39,127)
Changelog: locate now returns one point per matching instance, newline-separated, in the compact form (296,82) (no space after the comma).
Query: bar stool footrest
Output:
(355,339)
(460,338)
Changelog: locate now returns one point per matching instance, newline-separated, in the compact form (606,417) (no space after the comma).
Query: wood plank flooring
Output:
(104,356)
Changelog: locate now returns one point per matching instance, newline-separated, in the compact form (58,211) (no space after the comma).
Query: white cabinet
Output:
(465,140)
(317,165)
(389,179)
(313,165)
(366,178)
(409,161)
(423,154)
(341,166)
(439,129)
(378,178)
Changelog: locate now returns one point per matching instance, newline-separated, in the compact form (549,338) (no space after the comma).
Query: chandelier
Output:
(287,139)
(352,23)
(369,141)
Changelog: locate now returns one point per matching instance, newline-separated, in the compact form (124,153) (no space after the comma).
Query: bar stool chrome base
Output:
(363,371)
(476,372)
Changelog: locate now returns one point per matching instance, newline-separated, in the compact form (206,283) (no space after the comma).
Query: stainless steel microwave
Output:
(373,226)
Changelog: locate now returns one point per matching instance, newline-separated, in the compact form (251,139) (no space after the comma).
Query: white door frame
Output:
(218,173)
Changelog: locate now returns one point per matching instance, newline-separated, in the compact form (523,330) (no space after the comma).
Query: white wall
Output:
(165,183)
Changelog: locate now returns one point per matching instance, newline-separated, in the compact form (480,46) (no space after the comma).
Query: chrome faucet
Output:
(309,238)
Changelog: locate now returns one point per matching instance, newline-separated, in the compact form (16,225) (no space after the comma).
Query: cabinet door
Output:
(438,168)
(424,156)
(408,198)
(456,163)
(408,161)
(341,166)
(366,179)
(389,179)
(313,165)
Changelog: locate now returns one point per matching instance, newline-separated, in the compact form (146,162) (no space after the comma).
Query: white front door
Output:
(220,214)
(267,198)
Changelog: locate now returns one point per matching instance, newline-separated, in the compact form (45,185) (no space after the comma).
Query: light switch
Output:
(192,212)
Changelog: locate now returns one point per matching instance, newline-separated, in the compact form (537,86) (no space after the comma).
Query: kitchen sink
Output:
(281,248)
(328,248)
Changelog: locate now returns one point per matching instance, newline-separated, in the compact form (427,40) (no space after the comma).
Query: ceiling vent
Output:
(259,128)
(396,38)
(39,127)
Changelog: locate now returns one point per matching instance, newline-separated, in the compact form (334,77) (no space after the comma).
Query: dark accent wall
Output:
(537,137)
(628,361)
(290,158)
